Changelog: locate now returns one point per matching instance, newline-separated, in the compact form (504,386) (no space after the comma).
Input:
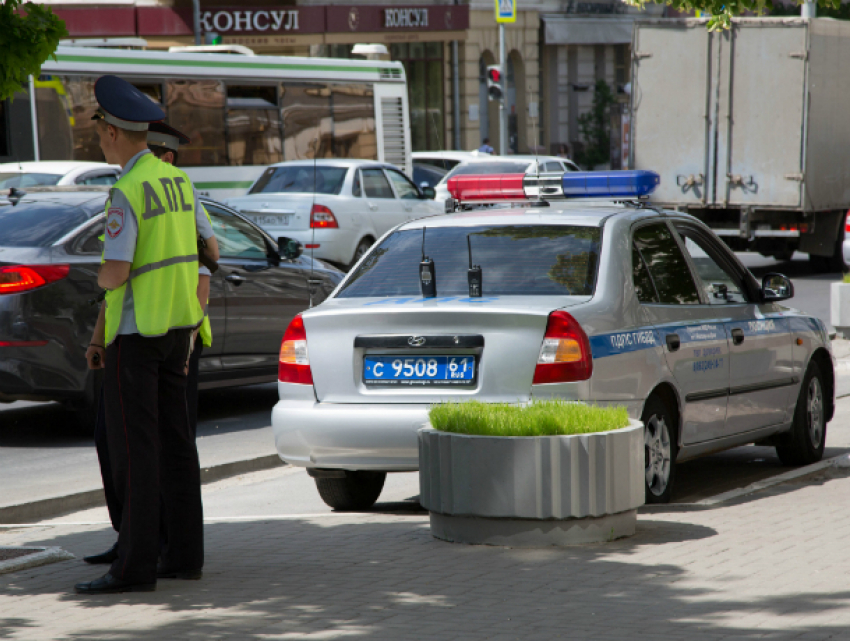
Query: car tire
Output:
(354,492)
(805,443)
(660,449)
(362,247)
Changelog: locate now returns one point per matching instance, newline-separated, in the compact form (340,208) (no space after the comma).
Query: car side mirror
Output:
(429,192)
(289,248)
(776,287)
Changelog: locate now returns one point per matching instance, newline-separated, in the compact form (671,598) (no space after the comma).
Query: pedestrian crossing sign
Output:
(505,10)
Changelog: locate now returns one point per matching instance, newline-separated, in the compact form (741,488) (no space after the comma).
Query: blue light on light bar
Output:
(632,183)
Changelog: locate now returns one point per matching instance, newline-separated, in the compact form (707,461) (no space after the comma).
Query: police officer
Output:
(151,308)
(164,142)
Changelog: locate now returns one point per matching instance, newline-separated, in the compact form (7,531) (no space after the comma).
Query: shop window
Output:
(353,109)
(4,128)
(196,107)
(152,90)
(622,66)
(307,121)
(423,65)
(64,106)
(253,125)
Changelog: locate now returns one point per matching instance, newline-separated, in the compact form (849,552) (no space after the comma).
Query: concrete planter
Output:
(839,308)
(532,491)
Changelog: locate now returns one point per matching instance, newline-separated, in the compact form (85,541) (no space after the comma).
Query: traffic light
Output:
(494,82)
(212,38)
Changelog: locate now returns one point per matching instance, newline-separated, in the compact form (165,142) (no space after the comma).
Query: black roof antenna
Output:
(474,274)
(427,274)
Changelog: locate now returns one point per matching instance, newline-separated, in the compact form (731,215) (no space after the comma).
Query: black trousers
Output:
(152,454)
(113,502)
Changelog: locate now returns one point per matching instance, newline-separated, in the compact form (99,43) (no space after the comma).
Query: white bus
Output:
(241,112)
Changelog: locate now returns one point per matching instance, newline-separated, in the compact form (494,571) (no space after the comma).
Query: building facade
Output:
(556,52)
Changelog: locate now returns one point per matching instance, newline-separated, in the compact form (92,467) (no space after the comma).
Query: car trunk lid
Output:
(500,336)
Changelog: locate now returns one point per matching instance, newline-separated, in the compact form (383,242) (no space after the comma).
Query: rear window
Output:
(37,224)
(9,180)
(515,260)
(496,167)
(300,179)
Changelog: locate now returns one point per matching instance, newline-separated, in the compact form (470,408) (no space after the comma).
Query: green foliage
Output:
(846,278)
(29,33)
(594,128)
(722,11)
(540,418)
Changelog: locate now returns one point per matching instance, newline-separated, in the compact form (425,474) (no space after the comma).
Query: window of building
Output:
(423,65)
(64,106)
(253,125)
(196,108)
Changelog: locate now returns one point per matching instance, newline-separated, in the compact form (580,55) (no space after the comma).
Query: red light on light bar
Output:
(487,187)
(312,245)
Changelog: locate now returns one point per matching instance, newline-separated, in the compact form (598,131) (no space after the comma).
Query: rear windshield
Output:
(9,180)
(515,260)
(299,179)
(37,224)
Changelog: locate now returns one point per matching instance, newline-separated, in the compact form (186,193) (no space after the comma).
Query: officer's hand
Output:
(96,357)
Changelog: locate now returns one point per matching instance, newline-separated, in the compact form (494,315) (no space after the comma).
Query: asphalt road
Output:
(41,456)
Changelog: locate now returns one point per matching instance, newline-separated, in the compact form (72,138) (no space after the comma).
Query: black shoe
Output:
(106,557)
(108,584)
(185,575)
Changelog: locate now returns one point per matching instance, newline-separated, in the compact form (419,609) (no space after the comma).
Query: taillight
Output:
(847,223)
(565,354)
(294,363)
(322,218)
(23,278)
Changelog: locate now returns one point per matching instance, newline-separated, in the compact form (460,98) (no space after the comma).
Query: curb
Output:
(54,506)
(40,556)
(840,461)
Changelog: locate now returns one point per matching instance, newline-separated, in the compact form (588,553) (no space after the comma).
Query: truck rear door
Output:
(759,157)
(667,136)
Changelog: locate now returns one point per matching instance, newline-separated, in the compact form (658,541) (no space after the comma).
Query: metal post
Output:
(34,117)
(503,114)
(809,10)
(455,96)
(196,20)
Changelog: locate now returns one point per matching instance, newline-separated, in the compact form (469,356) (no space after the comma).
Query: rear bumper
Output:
(335,245)
(349,436)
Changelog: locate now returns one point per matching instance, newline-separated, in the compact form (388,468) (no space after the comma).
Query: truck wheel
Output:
(805,442)
(660,450)
(356,491)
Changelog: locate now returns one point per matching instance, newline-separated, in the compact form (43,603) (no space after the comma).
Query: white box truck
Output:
(749,129)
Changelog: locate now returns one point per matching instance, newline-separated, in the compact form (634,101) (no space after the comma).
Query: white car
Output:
(57,172)
(485,164)
(339,210)
(447,160)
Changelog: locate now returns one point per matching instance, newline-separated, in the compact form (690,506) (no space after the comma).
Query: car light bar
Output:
(624,185)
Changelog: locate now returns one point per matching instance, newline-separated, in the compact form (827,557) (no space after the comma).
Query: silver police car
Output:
(614,303)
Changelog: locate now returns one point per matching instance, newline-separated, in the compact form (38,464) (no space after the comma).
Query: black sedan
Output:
(49,256)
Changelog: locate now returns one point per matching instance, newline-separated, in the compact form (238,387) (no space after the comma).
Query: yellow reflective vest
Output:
(206,330)
(164,271)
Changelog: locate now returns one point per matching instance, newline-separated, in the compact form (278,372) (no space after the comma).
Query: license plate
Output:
(419,370)
(272,220)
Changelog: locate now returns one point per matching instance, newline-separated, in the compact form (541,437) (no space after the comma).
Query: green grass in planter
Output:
(540,418)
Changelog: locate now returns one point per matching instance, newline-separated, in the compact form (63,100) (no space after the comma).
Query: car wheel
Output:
(660,450)
(805,442)
(362,247)
(355,491)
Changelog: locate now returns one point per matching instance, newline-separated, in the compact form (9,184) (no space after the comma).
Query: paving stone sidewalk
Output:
(771,566)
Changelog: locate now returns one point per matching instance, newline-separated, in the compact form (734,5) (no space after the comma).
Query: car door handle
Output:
(673,342)
(373,207)
(737,336)
(236,279)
